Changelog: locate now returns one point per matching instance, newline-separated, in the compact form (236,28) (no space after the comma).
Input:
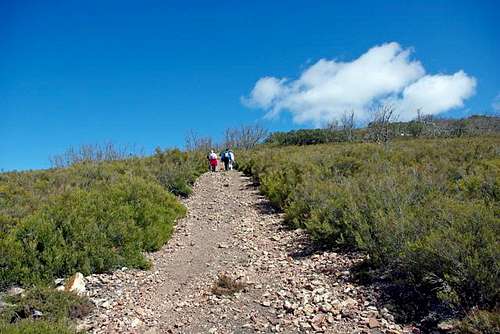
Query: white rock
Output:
(446,326)
(326,307)
(76,284)
(308,309)
(59,281)
(14,291)
(349,302)
(106,304)
(135,322)
(305,325)
(289,306)
(318,299)
(36,314)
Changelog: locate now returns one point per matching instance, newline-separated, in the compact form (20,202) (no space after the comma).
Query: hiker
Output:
(231,159)
(212,159)
(224,157)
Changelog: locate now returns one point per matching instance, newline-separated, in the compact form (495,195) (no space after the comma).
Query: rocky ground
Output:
(230,229)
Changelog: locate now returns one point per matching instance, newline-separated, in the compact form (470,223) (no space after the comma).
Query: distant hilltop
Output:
(383,129)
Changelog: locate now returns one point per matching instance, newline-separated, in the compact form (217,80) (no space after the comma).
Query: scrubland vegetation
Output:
(93,216)
(426,211)
(383,127)
(424,208)
(56,310)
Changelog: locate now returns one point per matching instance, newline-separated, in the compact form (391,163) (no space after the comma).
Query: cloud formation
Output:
(384,74)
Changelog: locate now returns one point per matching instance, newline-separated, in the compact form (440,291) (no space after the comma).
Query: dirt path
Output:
(231,229)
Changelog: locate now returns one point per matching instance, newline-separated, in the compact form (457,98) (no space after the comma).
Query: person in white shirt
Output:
(231,159)
(212,159)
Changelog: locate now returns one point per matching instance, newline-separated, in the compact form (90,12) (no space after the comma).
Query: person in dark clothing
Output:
(225,157)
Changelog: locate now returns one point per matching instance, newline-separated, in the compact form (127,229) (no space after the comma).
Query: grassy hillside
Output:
(89,217)
(426,211)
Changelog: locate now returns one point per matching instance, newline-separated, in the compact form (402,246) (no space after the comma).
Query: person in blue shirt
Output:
(224,158)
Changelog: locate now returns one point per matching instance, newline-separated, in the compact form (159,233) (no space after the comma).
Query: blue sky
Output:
(145,72)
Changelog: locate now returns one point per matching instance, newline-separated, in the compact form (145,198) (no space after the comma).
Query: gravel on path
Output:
(231,229)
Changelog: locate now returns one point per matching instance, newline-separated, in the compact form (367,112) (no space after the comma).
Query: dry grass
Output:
(226,285)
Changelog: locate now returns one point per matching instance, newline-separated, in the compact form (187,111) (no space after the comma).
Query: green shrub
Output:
(36,327)
(461,248)
(90,216)
(91,231)
(55,306)
(425,127)
(426,210)
(43,310)
(480,322)
(177,170)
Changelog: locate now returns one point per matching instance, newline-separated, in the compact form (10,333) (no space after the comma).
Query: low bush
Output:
(92,216)
(181,170)
(36,327)
(90,232)
(425,127)
(480,322)
(425,210)
(43,310)
(45,304)
(226,285)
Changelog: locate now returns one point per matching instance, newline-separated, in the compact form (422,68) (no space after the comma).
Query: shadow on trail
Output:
(265,208)
(411,303)
(253,185)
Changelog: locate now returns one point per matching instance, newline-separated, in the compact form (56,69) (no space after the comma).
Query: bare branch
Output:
(245,137)
(95,153)
(379,128)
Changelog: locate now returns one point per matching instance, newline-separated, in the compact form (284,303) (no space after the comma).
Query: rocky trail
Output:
(230,229)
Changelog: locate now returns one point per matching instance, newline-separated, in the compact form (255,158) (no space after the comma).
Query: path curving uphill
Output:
(230,228)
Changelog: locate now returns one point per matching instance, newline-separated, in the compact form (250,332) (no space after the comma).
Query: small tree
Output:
(194,142)
(416,126)
(459,128)
(95,153)
(333,125)
(245,137)
(347,124)
(231,136)
(379,129)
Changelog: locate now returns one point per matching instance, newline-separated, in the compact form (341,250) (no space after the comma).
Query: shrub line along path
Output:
(230,228)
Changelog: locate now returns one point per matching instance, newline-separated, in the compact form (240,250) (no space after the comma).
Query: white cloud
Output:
(265,92)
(496,103)
(384,73)
(434,94)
